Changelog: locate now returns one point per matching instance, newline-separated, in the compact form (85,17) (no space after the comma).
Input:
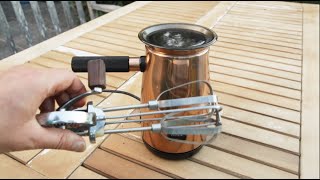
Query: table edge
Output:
(309,144)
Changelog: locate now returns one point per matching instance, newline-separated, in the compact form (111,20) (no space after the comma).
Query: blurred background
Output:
(27,23)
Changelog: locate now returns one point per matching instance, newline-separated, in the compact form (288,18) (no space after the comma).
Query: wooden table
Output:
(264,69)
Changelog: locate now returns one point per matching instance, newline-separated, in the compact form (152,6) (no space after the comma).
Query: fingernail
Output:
(79,146)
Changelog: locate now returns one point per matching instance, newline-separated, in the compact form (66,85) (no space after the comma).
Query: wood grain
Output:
(84,173)
(138,153)
(310,94)
(116,167)
(9,168)
(24,156)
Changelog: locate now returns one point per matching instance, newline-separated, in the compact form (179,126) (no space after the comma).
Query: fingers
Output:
(61,84)
(47,105)
(64,81)
(54,138)
(63,97)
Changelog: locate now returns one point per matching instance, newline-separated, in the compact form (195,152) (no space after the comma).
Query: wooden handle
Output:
(97,74)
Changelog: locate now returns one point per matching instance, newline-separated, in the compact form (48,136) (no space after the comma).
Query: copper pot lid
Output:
(177,36)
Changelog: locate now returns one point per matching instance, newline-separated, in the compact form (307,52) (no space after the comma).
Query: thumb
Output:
(55,138)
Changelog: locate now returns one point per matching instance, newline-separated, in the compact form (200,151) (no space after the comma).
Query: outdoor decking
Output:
(264,69)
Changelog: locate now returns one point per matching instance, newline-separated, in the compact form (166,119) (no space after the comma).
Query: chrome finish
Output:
(92,122)
(134,63)
(60,118)
(114,131)
(161,112)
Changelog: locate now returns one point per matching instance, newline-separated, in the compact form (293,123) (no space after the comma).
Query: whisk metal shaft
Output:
(114,131)
(165,112)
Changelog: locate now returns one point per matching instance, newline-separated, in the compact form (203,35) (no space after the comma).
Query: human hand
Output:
(23,91)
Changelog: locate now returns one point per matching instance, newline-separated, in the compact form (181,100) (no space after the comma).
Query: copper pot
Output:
(176,53)
(171,63)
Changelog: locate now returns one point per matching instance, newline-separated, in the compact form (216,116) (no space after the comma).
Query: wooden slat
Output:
(211,18)
(127,32)
(261,28)
(279,4)
(54,16)
(266,109)
(265,26)
(107,37)
(273,53)
(256,95)
(12,169)
(39,20)
(256,69)
(149,15)
(80,11)
(256,61)
(264,16)
(231,50)
(200,7)
(115,48)
(255,85)
(247,17)
(261,12)
(116,167)
(168,12)
(293,27)
(93,49)
(193,12)
(5,29)
(310,94)
(137,152)
(59,163)
(67,13)
(271,9)
(90,9)
(128,87)
(252,34)
(271,21)
(256,77)
(256,152)
(149,21)
(261,136)
(243,148)
(24,156)
(245,168)
(277,48)
(84,173)
(261,121)
(254,39)
(22,21)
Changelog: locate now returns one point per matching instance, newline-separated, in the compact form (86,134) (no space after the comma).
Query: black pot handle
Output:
(112,63)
